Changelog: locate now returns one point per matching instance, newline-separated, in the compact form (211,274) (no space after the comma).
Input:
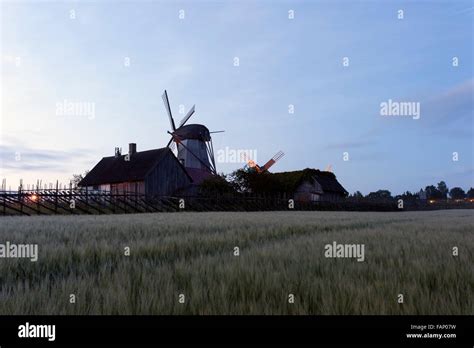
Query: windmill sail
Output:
(168,109)
(187,117)
(273,160)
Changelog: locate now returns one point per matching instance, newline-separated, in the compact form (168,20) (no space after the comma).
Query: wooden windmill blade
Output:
(273,160)
(187,117)
(172,145)
(210,154)
(175,138)
(168,109)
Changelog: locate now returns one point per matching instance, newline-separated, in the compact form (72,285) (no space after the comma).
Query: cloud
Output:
(446,114)
(368,138)
(453,177)
(371,156)
(468,10)
(20,158)
(350,144)
(450,106)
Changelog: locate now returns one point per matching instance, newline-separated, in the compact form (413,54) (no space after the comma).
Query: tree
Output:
(470,193)
(443,189)
(421,195)
(240,180)
(407,194)
(254,182)
(380,194)
(76,178)
(457,193)
(358,195)
(216,185)
(433,193)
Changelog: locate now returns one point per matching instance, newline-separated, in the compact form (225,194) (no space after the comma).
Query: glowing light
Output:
(432,200)
(34,198)
(251,163)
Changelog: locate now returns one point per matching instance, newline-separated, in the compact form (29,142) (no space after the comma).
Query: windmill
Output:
(193,143)
(251,165)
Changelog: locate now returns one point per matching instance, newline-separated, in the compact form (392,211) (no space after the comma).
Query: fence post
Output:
(70,195)
(20,198)
(56,199)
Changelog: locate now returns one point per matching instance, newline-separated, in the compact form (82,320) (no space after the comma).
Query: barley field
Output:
(281,253)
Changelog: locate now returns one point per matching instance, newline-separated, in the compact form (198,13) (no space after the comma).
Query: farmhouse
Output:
(309,185)
(152,172)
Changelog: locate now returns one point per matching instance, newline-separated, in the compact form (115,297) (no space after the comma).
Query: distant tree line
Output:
(431,192)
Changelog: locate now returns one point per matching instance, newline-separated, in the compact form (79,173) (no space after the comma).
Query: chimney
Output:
(117,152)
(132,148)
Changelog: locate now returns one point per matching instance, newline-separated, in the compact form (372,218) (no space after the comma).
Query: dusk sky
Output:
(119,57)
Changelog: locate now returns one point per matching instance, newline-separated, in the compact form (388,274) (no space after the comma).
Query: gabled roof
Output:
(290,181)
(116,169)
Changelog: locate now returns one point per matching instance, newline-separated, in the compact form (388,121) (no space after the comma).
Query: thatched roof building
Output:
(311,185)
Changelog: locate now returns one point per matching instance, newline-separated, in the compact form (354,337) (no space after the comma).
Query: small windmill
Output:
(193,143)
(252,165)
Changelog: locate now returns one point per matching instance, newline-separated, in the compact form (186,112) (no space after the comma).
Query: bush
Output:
(216,185)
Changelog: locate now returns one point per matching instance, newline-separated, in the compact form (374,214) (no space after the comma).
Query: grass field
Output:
(407,253)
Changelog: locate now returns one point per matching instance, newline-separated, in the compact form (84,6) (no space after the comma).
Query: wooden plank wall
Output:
(166,177)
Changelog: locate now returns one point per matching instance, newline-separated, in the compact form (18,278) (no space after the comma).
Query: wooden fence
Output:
(81,201)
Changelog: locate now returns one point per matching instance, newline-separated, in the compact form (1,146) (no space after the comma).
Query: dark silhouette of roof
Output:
(116,169)
(290,181)
(198,175)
